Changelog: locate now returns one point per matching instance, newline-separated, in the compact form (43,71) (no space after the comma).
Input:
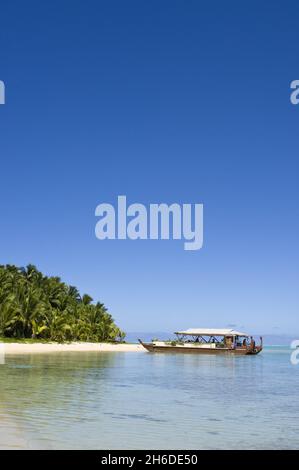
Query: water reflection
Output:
(127,400)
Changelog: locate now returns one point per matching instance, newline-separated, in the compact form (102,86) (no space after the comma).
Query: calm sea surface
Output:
(139,400)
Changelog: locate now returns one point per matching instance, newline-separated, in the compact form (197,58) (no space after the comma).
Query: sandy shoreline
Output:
(32,348)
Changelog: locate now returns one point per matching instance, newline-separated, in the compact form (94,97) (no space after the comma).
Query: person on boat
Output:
(244,344)
(252,343)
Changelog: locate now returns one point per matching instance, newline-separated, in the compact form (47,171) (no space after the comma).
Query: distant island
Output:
(36,306)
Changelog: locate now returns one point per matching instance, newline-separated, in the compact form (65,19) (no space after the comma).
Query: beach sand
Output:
(32,348)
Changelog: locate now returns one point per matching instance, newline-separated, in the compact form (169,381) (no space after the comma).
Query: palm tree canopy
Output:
(38,306)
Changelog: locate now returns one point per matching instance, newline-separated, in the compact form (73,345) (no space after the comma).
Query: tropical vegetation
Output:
(36,306)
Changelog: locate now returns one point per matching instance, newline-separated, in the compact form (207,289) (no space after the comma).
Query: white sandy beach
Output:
(32,348)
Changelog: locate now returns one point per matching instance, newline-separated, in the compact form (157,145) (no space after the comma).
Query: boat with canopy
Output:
(207,341)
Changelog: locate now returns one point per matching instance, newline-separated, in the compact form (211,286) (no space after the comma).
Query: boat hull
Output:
(150,347)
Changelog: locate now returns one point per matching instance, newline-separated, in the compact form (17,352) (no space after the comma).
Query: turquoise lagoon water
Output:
(140,400)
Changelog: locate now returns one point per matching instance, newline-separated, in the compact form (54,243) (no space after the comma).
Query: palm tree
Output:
(8,317)
(86,299)
(30,306)
(35,305)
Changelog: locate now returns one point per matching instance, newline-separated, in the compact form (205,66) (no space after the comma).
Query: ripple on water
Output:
(121,400)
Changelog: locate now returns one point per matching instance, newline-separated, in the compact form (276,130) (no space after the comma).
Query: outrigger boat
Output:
(207,341)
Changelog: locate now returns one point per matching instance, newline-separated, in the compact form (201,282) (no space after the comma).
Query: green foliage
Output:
(36,306)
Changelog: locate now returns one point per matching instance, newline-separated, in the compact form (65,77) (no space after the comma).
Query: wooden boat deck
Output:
(151,347)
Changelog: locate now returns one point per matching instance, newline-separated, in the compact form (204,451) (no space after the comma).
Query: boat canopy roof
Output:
(211,332)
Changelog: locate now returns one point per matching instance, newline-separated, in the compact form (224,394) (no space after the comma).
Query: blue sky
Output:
(163,101)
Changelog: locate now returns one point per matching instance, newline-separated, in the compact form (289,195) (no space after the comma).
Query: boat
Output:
(207,341)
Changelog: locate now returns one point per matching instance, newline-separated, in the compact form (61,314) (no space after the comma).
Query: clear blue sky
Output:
(163,101)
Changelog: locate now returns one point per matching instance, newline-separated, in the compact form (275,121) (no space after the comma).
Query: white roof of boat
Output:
(211,332)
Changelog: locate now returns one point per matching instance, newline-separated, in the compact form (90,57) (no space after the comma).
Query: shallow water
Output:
(135,400)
